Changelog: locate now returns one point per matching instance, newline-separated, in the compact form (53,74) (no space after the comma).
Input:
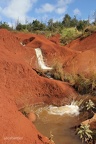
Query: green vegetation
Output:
(87,106)
(69,34)
(5,26)
(69,27)
(90,105)
(57,72)
(82,84)
(85,133)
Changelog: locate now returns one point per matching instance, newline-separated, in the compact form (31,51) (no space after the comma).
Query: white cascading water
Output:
(71,109)
(67,109)
(40,60)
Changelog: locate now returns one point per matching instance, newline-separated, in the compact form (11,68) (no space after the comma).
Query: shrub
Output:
(57,72)
(84,133)
(83,84)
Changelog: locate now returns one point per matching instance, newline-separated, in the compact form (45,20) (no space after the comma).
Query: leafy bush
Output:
(82,84)
(5,26)
(69,34)
(84,133)
(89,104)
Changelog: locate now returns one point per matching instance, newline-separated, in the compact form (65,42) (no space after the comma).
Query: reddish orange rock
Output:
(32,116)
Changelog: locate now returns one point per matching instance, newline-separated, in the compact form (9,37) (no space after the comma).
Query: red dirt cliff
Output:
(20,85)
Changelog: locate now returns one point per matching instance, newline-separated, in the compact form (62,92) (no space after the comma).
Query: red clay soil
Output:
(20,85)
(51,50)
(83,44)
(14,127)
(84,62)
(91,122)
(77,57)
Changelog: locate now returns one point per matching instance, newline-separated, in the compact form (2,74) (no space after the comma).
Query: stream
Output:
(57,121)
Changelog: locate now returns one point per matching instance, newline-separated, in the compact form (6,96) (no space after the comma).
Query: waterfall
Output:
(71,110)
(67,109)
(41,60)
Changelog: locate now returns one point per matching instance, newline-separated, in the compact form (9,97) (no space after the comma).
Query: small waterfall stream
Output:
(41,60)
(57,120)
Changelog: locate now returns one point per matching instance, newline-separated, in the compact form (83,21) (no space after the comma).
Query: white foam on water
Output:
(40,60)
(67,109)
(70,110)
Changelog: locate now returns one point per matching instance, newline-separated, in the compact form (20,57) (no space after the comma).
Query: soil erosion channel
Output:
(56,121)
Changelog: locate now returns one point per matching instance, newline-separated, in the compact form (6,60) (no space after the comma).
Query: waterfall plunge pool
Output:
(58,121)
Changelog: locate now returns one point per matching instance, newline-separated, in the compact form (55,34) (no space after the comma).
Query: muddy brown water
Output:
(60,126)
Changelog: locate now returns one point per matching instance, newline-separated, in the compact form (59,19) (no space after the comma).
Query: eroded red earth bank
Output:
(20,85)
